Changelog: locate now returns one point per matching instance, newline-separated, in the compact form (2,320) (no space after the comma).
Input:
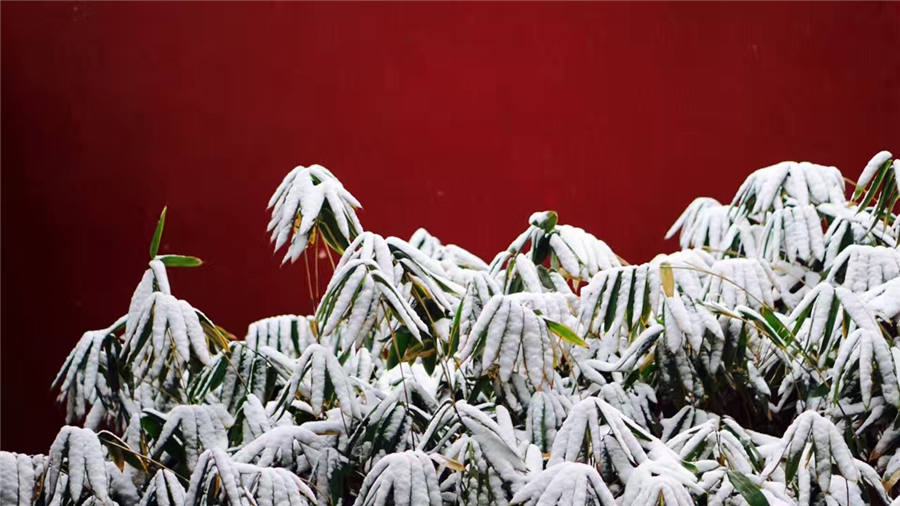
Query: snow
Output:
(567,483)
(301,196)
(363,280)
(278,332)
(580,254)
(175,334)
(515,337)
(864,267)
(164,489)
(529,274)
(411,476)
(19,477)
(544,417)
(503,457)
(794,233)
(872,167)
(282,446)
(200,427)
(80,450)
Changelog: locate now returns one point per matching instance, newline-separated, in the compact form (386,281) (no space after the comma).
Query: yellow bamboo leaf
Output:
(668,279)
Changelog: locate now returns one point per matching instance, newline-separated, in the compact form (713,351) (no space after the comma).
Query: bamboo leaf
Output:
(668,279)
(748,490)
(892,480)
(180,261)
(120,452)
(775,324)
(448,462)
(453,342)
(546,221)
(763,323)
(565,333)
(157,234)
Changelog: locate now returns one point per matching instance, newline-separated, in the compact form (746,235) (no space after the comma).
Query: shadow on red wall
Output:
(461,118)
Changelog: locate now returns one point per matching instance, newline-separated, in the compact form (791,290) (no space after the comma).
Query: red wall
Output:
(461,118)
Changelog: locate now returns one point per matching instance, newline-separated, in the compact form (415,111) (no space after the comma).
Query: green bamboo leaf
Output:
(690,466)
(875,185)
(798,322)
(397,349)
(749,490)
(453,343)
(763,322)
(775,323)
(790,467)
(180,261)
(565,333)
(157,234)
(152,423)
(546,221)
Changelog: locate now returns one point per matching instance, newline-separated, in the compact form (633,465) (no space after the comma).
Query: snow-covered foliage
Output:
(757,365)
(402,479)
(569,483)
(309,202)
(20,477)
(78,453)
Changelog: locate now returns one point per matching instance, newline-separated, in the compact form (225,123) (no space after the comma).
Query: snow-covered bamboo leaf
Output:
(576,253)
(567,483)
(308,201)
(361,295)
(588,424)
(866,349)
(825,440)
(770,188)
(168,333)
(391,425)
(274,486)
(499,445)
(401,479)
(90,368)
(216,479)
(579,254)
(626,358)
(77,453)
(794,233)
(20,477)
(293,447)
(741,282)
(660,483)
(289,334)
(163,489)
(317,376)
(511,333)
(616,301)
(546,413)
(192,429)
(861,267)
(885,182)
(720,439)
(703,223)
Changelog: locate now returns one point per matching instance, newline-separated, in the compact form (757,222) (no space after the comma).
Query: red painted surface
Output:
(461,118)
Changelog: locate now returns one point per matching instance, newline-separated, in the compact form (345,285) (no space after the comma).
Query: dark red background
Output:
(460,118)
